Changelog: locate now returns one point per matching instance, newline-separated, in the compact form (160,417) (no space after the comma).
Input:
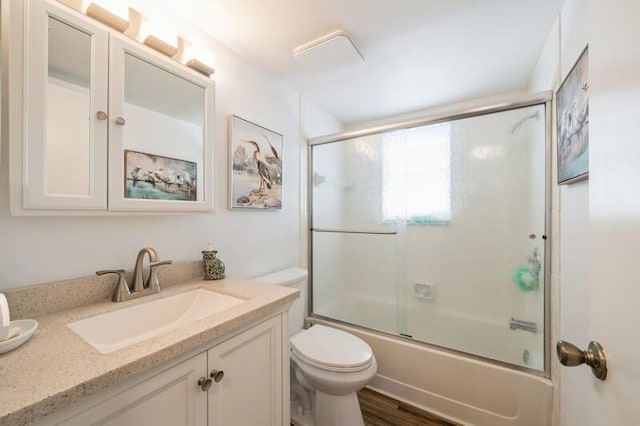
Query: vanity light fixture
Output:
(201,67)
(160,45)
(159,38)
(115,14)
(197,59)
(155,34)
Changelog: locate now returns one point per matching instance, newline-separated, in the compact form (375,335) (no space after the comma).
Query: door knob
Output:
(571,356)
(120,121)
(101,115)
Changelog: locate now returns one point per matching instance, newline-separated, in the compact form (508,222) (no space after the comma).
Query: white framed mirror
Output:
(160,137)
(66,83)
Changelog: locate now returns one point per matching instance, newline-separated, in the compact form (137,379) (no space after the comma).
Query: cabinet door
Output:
(251,391)
(160,132)
(172,398)
(65,127)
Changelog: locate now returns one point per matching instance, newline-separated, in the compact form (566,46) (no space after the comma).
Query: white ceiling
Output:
(418,53)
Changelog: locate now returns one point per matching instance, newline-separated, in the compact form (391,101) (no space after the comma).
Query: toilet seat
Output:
(331,349)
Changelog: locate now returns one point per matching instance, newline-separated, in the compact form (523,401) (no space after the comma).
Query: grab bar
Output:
(529,326)
(339,231)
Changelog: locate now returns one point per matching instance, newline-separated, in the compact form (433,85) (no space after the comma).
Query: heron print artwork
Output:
(154,177)
(573,123)
(256,166)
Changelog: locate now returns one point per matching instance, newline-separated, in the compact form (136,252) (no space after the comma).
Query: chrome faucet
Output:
(138,283)
(139,288)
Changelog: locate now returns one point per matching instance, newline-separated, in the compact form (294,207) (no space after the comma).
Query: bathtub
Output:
(463,389)
(485,337)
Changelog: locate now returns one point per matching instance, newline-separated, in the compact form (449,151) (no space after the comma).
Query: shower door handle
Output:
(570,355)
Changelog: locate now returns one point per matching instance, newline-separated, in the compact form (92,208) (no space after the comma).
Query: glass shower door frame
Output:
(468,110)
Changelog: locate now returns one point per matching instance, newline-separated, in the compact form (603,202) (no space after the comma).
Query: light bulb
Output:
(114,13)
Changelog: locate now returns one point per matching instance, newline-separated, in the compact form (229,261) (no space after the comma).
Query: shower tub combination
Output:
(428,240)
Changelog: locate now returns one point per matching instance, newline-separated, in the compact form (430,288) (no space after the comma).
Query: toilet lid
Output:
(330,347)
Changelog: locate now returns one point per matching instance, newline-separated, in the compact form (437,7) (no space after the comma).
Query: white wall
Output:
(317,122)
(570,212)
(43,249)
(614,209)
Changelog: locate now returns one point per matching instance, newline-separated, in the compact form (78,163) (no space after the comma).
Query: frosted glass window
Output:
(417,175)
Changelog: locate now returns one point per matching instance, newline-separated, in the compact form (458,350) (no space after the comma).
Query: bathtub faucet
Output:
(535,263)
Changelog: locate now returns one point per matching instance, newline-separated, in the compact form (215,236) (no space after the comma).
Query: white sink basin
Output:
(118,329)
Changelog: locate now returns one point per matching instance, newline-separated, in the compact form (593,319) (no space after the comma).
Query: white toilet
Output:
(328,365)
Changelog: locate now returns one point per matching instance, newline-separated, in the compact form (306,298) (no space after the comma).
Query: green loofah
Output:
(524,279)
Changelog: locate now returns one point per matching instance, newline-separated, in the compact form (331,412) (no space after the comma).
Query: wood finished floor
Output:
(380,410)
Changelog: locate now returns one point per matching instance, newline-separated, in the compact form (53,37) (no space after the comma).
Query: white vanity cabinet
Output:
(251,391)
(252,369)
(99,122)
(170,398)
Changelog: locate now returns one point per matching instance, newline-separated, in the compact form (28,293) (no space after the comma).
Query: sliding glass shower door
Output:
(355,250)
(437,232)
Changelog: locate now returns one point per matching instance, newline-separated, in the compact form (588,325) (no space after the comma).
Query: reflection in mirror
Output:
(68,147)
(163,134)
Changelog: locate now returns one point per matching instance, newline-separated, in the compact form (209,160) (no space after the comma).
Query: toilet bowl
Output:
(328,366)
(333,365)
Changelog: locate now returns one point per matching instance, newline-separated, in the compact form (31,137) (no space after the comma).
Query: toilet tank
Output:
(296,278)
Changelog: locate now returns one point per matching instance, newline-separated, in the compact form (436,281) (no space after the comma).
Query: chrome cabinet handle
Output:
(204,383)
(101,115)
(216,375)
(595,357)
(120,121)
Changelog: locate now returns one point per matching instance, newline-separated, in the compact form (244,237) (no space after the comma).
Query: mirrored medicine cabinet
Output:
(107,124)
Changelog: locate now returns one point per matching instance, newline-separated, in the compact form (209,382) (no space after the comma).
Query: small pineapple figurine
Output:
(213,267)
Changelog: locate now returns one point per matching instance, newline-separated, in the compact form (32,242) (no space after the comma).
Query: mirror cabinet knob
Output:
(217,375)
(204,383)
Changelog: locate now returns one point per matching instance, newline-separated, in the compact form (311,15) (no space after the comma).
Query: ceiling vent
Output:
(333,52)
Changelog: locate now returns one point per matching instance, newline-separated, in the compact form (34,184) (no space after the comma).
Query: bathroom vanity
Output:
(230,368)
(236,382)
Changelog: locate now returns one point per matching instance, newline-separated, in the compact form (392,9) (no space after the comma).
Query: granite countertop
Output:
(57,368)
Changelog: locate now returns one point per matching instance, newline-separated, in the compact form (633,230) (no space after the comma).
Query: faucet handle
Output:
(120,273)
(153,277)
(122,288)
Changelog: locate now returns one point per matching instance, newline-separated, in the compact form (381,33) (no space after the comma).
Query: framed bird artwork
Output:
(572,118)
(255,166)
(155,177)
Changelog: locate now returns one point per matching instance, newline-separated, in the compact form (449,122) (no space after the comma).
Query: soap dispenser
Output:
(213,267)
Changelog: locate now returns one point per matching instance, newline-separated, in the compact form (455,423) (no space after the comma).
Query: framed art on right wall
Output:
(572,122)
